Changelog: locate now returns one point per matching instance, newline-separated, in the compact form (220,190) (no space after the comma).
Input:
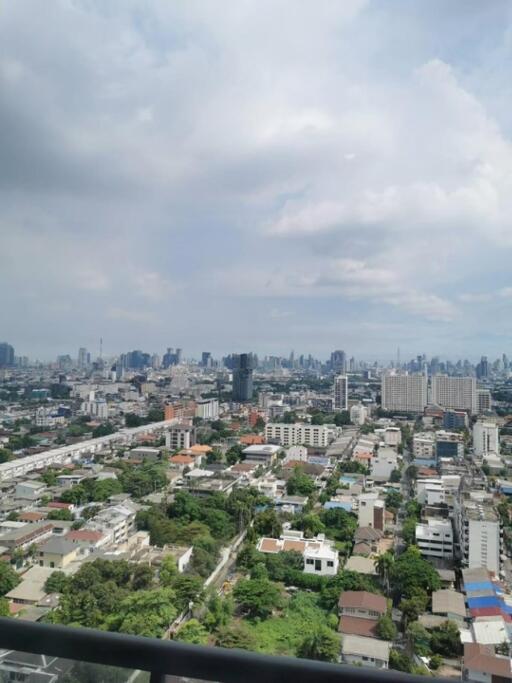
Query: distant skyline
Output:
(277,175)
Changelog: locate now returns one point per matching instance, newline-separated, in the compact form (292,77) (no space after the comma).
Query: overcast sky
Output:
(256,175)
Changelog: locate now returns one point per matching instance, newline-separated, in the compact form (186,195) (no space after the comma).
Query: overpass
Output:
(65,454)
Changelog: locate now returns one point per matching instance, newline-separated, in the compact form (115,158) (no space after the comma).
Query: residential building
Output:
(403,392)
(360,612)
(391,436)
(449,604)
(116,522)
(479,534)
(29,491)
(458,393)
(341,392)
(424,448)
(485,438)
(339,361)
(301,434)
(265,454)
(358,414)
(483,399)
(361,651)
(180,436)
(244,364)
(482,664)
(207,409)
(6,355)
(23,537)
(56,553)
(383,464)
(371,511)
(435,539)
(31,589)
(455,419)
(320,556)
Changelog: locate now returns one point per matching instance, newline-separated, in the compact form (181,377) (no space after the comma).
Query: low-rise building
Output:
(301,434)
(318,554)
(361,651)
(360,612)
(265,454)
(482,664)
(29,491)
(56,553)
(435,539)
(449,604)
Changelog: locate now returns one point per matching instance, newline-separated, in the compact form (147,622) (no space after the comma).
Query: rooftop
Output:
(368,647)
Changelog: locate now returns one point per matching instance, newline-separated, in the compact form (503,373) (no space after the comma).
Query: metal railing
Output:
(163,657)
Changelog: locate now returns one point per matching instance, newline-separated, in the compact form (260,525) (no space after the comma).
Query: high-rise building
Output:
(206,359)
(82,357)
(479,534)
(458,393)
(482,369)
(483,400)
(6,355)
(339,361)
(404,393)
(485,438)
(171,357)
(242,377)
(341,392)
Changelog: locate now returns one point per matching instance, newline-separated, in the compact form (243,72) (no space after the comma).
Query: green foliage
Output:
(187,588)
(258,598)
(234,454)
(342,418)
(62,514)
(267,523)
(143,577)
(4,608)
(419,638)
(103,430)
(310,523)
(435,662)
(219,612)
(299,484)
(393,499)
(413,606)
(399,661)
(386,628)
(445,640)
(413,509)
(193,632)
(8,578)
(322,644)
(145,613)
(395,476)
(409,531)
(344,581)
(57,582)
(168,571)
(339,524)
(411,573)
(5,455)
(352,467)
(236,636)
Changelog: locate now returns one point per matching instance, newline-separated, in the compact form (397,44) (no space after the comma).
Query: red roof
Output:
(485,612)
(60,506)
(357,626)
(87,535)
(363,600)
(30,516)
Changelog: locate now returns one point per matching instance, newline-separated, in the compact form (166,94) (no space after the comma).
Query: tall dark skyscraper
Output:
(6,355)
(206,359)
(482,369)
(339,361)
(244,364)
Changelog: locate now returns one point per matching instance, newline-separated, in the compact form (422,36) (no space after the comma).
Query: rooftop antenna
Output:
(101,348)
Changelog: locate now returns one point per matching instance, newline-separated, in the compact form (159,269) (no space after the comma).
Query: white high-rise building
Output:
(486,438)
(358,414)
(458,393)
(483,400)
(479,535)
(341,392)
(402,392)
(207,409)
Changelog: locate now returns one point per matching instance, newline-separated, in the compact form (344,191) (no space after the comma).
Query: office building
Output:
(340,393)
(301,434)
(84,358)
(435,539)
(242,377)
(479,535)
(358,414)
(458,393)
(206,359)
(482,369)
(404,393)
(485,438)
(449,445)
(6,355)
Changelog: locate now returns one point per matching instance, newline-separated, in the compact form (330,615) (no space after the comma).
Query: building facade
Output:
(301,434)
(404,393)
(341,392)
(458,393)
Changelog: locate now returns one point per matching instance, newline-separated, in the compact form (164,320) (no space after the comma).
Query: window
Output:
(330,563)
(308,561)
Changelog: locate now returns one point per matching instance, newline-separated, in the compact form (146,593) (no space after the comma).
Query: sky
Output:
(260,175)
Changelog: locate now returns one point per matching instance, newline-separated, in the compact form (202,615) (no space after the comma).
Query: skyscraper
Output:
(242,377)
(341,392)
(482,369)
(206,359)
(82,357)
(6,355)
(458,393)
(339,361)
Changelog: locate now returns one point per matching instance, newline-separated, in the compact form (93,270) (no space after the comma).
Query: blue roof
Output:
(478,586)
(487,601)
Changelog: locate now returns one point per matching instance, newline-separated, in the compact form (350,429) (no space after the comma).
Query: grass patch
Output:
(284,633)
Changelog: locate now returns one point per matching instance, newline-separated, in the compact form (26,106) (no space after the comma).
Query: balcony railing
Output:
(162,658)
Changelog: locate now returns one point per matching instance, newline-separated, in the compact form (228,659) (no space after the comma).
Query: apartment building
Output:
(371,511)
(435,539)
(341,392)
(479,534)
(458,393)
(485,438)
(117,523)
(403,392)
(483,400)
(449,445)
(424,448)
(207,409)
(358,414)
(301,434)
(180,436)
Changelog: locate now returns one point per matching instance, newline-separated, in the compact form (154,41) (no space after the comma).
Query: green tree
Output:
(384,564)
(386,628)
(143,577)
(258,598)
(419,639)
(311,524)
(267,523)
(234,454)
(5,455)
(168,571)
(299,484)
(395,476)
(219,612)
(342,418)
(322,645)
(435,662)
(62,514)
(393,500)
(103,430)
(236,636)
(8,578)
(412,607)
(188,588)
(409,531)
(145,613)
(411,573)
(400,661)
(445,640)
(4,608)
(57,582)
(193,632)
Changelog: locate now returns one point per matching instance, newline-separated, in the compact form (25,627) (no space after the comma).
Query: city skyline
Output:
(195,186)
